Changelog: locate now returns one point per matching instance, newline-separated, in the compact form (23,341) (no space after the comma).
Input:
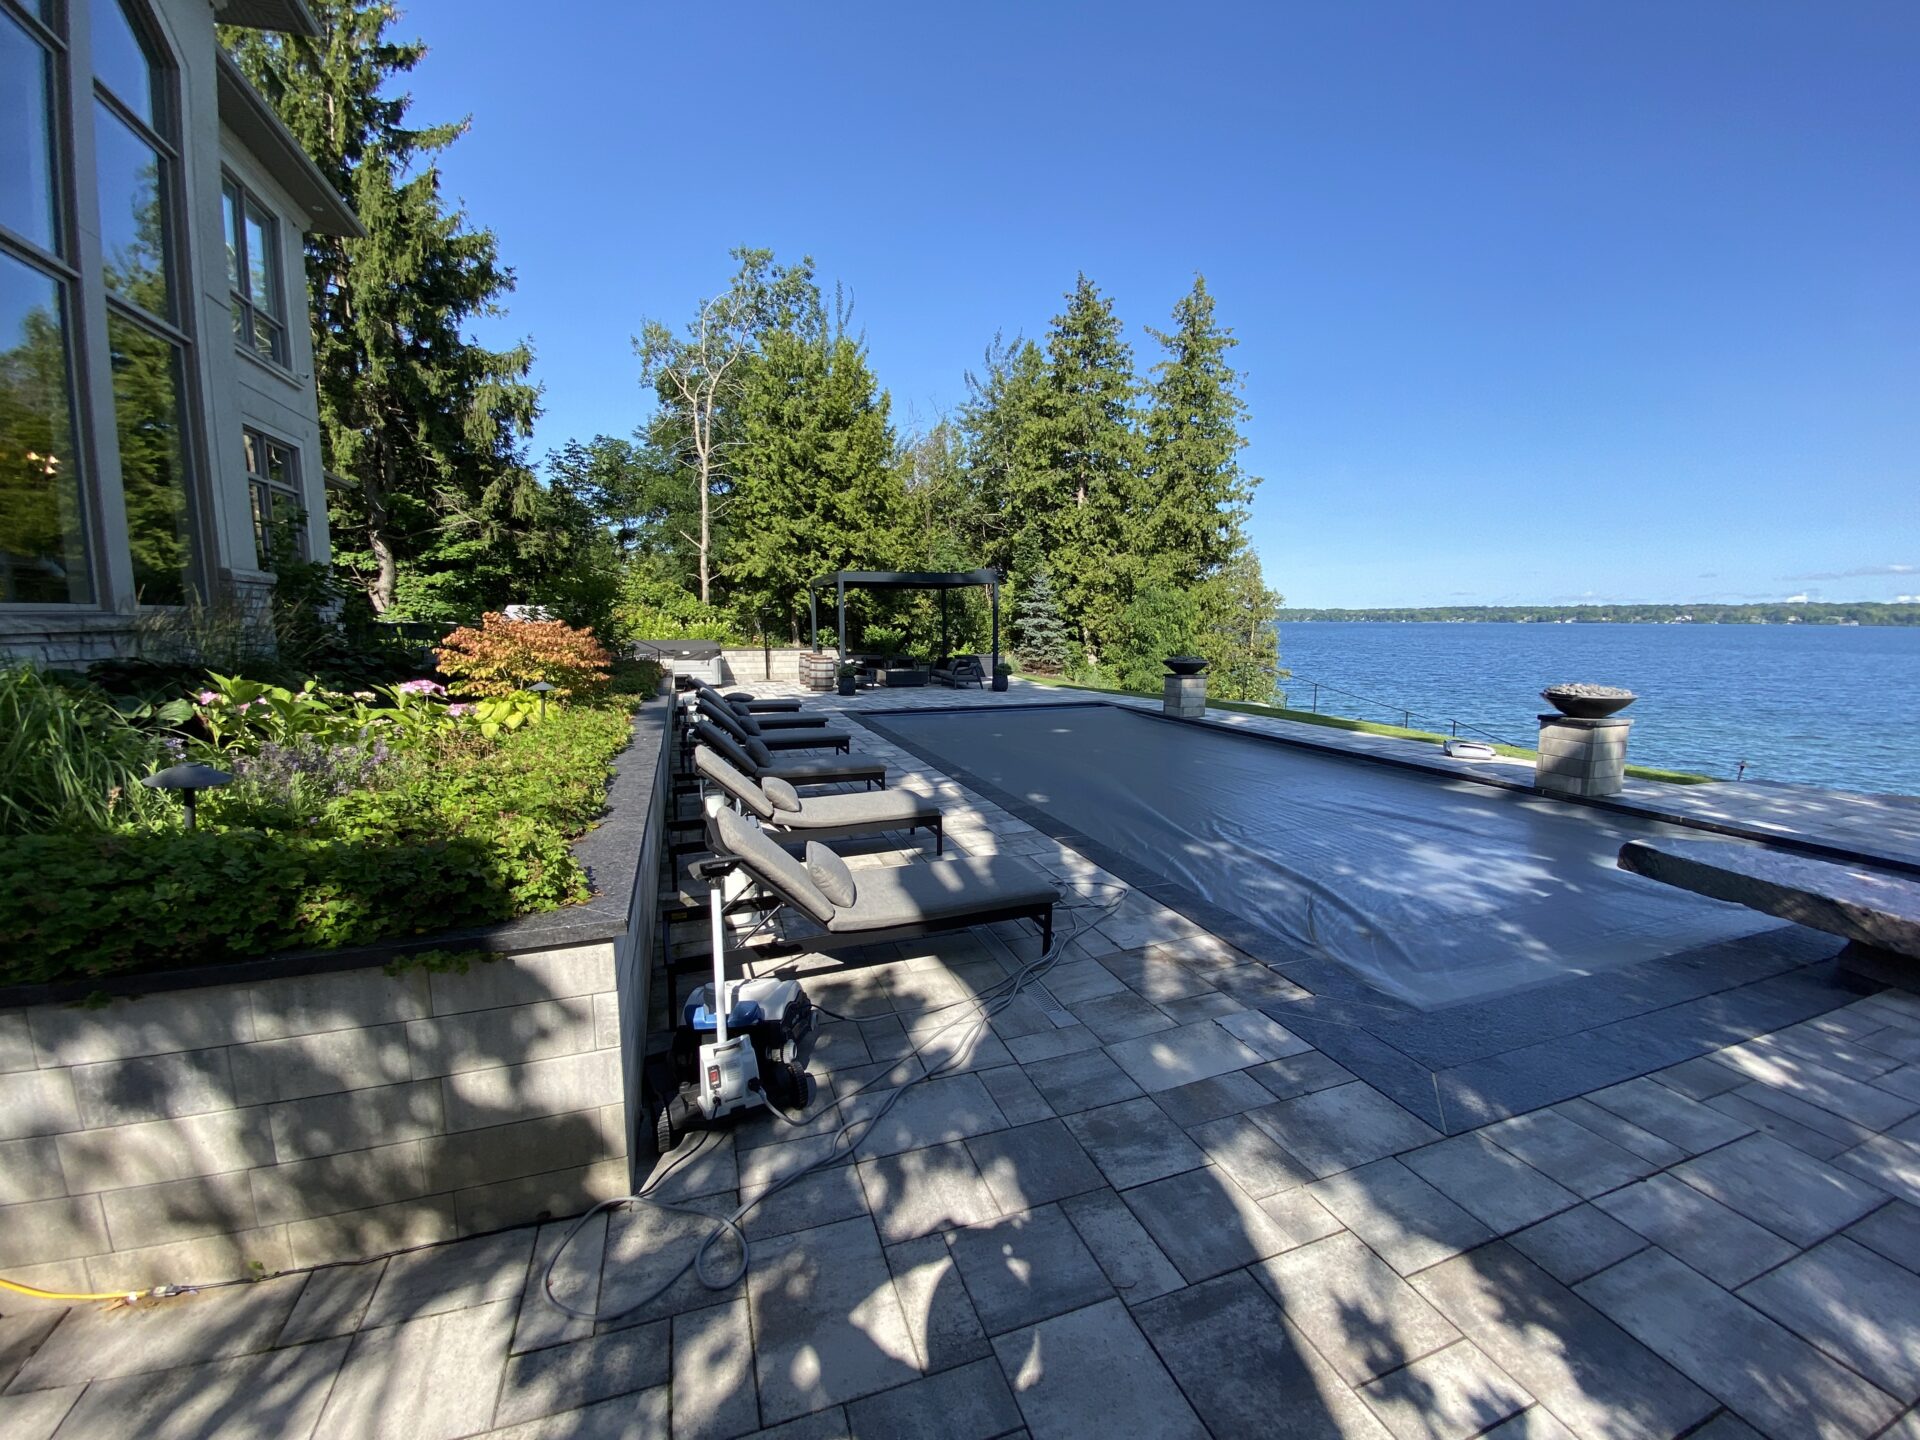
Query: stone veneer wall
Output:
(194,1134)
(746,666)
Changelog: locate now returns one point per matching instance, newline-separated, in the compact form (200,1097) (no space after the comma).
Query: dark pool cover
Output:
(1433,890)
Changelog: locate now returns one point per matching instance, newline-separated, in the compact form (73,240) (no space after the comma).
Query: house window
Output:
(273,482)
(134,164)
(253,274)
(43,522)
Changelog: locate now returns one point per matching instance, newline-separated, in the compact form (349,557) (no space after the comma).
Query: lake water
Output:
(1821,704)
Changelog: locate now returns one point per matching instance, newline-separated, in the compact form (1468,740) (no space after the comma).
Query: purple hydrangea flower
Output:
(422,687)
(458,710)
(206,697)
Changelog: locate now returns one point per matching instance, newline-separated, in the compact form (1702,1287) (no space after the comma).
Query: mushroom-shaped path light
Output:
(542,689)
(189,780)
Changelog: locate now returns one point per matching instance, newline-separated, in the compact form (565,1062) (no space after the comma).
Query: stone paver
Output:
(1339,1128)
(1408,1223)
(1361,1317)
(1578,1158)
(1721,1244)
(1500,1190)
(1025,1268)
(1791,1194)
(1768,1376)
(1853,1305)
(827,1325)
(1073,1374)
(1585,1369)
(1244,1371)
(1144,1206)
(1206,1224)
(1134,1142)
(1449,1395)
(1033,1164)
(1181,1055)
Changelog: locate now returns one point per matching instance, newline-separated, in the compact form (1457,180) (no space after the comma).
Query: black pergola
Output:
(941,580)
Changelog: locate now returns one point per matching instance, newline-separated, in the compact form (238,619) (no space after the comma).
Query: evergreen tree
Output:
(1238,634)
(1001,424)
(1085,498)
(815,488)
(1040,630)
(424,424)
(1196,485)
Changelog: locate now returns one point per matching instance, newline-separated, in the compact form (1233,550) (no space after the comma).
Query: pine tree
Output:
(1039,629)
(424,424)
(816,486)
(1197,487)
(1087,493)
(1002,423)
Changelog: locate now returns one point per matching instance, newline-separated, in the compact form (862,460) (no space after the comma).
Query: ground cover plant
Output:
(352,816)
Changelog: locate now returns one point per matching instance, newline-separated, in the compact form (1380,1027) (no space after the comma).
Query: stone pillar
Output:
(1582,757)
(1185,696)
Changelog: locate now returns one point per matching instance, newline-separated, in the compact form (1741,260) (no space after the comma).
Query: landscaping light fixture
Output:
(542,689)
(189,780)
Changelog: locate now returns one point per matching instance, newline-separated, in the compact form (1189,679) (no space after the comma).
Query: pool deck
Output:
(1140,1204)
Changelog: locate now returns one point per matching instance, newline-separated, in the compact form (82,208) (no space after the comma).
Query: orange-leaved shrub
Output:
(502,656)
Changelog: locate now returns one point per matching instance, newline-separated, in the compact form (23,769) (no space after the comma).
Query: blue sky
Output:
(1536,303)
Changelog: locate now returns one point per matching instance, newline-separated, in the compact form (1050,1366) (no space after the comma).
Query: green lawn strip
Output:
(1363,727)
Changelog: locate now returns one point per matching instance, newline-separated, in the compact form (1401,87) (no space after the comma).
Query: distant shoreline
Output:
(1856,613)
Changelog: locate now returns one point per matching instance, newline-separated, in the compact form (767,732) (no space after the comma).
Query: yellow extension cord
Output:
(34,1292)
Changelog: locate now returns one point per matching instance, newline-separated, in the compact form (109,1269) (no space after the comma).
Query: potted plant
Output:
(848,674)
(1001,672)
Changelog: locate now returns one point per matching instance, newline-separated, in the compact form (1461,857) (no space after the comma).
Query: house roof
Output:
(249,116)
(290,17)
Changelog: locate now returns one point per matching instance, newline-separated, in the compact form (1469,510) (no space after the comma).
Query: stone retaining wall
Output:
(195,1134)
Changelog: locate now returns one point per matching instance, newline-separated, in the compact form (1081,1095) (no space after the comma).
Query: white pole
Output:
(718,903)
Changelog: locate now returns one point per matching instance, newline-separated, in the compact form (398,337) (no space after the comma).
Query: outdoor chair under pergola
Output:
(840,581)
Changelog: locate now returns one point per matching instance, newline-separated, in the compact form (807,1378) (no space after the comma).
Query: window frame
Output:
(246,313)
(260,483)
(62,266)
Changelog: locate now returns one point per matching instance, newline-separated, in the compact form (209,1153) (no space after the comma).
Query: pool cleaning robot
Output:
(740,1044)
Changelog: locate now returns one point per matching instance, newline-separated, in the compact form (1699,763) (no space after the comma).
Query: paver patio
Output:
(1142,1206)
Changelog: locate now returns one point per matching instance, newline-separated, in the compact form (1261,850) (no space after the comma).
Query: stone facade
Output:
(1582,757)
(194,1134)
(1185,696)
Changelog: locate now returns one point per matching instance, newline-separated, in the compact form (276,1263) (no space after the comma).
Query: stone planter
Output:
(1186,664)
(844,684)
(297,1109)
(1000,683)
(1588,702)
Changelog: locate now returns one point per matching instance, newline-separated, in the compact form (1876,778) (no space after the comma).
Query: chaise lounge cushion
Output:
(741,836)
(749,792)
(830,873)
(941,890)
(783,795)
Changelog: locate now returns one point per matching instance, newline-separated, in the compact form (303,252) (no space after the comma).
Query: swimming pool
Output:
(1434,891)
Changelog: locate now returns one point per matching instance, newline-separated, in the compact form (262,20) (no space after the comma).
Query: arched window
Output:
(135,160)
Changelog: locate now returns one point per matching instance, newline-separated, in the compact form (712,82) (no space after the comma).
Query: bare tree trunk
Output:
(387,575)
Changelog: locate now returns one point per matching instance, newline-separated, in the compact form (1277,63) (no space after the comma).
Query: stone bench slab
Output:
(1874,908)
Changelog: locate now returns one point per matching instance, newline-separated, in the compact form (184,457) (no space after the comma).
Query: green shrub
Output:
(70,759)
(459,830)
(1159,621)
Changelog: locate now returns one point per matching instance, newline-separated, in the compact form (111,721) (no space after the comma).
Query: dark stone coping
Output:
(1469,1064)
(610,853)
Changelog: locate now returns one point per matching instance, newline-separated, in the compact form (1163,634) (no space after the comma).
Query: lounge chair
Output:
(754,705)
(711,699)
(744,728)
(823,817)
(755,760)
(960,670)
(892,902)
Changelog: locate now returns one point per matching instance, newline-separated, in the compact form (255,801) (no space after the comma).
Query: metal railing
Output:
(1407,713)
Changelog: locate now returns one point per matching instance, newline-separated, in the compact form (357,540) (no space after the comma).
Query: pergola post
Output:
(993,597)
(813,617)
(946,648)
(840,584)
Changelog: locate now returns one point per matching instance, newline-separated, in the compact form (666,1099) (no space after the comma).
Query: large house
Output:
(158,421)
